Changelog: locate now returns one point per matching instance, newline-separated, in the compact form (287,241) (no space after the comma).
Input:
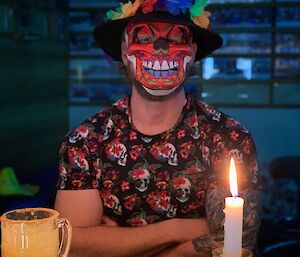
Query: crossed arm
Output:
(171,238)
(93,236)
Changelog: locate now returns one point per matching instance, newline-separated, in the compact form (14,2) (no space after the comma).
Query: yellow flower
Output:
(130,9)
(203,20)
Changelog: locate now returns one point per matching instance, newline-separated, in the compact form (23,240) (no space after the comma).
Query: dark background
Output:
(52,76)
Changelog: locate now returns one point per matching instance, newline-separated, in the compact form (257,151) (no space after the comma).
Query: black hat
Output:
(108,34)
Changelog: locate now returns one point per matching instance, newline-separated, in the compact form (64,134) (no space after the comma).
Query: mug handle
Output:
(66,231)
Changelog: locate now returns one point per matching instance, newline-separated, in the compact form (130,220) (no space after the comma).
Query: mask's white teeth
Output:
(145,64)
(132,59)
(126,38)
(186,60)
(149,65)
(175,64)
(171,65)
(164,65)
(156,65)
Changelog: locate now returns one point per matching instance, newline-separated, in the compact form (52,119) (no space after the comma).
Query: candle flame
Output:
(233,178)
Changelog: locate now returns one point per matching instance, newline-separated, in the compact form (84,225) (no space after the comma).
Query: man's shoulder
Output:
(110,112)
(101,122)
(215,116)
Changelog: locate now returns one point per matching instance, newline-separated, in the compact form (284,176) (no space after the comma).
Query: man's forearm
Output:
(200,246)
(128,242)
(116,242)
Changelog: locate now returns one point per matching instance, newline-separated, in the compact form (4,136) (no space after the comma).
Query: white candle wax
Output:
(233,227)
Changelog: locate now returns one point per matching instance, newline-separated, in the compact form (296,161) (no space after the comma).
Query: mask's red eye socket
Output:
(143,35)
(179,35)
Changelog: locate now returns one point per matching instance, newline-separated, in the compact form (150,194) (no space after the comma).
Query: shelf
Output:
(273,27)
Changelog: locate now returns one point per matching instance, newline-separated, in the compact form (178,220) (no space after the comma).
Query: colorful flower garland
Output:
(175,7)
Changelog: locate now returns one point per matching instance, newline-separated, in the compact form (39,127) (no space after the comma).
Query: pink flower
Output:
(231,122)
(138,173)
(246,145)
(112,175)
(82,129)
(130,201)
(148,6)
(165,150)
(114,148)
(109,202)
(154,150)
(178,182)
(134,154)
(181,133)
(216,138)
(124,185)
(100,138)
(92,146)
(192,170)
(192,121)
(132,135)
(234,135)
(152,200)
(184,153)
(137,221)
(163,176)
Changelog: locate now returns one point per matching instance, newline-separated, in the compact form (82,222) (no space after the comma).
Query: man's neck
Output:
(151,117)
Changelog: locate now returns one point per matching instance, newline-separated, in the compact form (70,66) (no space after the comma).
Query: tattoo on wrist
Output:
(205,244)
(215,216)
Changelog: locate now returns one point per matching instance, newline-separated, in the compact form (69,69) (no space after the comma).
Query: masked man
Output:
(148,176)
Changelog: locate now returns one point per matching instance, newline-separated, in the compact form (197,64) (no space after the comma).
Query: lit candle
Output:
(233,218)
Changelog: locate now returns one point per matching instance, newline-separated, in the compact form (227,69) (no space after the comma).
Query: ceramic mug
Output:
(35,232)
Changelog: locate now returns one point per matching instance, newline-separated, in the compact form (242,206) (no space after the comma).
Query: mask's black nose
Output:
(161,44)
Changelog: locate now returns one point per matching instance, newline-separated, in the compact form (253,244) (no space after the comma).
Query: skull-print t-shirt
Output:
(143,179)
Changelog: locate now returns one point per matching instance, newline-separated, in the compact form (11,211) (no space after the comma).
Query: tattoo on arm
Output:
(214,205)
(215,216)
(252,217)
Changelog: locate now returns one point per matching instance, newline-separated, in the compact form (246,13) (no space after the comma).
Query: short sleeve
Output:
(79,162)
(233,140)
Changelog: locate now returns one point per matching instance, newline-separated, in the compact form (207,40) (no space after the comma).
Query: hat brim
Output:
(108,35)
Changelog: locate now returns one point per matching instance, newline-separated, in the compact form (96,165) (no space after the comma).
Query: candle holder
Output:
(218,252)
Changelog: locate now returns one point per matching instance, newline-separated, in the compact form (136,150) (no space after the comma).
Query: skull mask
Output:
(160,54)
